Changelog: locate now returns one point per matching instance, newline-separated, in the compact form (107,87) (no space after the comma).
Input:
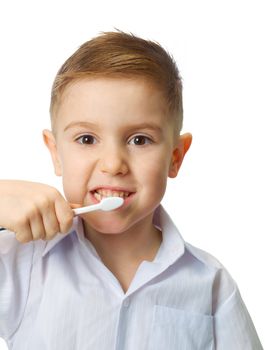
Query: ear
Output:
(50,142)
(178,154)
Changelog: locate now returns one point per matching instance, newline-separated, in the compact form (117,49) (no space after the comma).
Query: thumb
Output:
(75,205)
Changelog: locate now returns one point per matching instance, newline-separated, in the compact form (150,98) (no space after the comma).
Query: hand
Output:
(33,210)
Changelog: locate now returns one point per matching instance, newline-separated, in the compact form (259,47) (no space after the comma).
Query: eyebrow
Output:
(82,124)
(150,126)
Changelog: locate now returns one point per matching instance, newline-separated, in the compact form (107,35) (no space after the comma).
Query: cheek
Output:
(74,163)
(154,173)
(75,176)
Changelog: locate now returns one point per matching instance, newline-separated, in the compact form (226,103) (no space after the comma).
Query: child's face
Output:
(114,133)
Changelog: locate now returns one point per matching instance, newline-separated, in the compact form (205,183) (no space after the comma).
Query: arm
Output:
(233,326)
(15,272)
(29,211)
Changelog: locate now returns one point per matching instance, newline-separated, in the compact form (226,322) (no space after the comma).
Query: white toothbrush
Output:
(108,203)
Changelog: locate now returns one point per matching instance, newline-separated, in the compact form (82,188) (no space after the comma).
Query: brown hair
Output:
(119,54)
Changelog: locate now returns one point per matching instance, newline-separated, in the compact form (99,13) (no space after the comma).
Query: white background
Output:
(218,199)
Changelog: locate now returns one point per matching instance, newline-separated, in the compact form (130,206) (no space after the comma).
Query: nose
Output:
(113,161)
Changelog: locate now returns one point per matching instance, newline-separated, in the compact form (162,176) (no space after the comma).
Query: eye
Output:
(86,140)
(139,140)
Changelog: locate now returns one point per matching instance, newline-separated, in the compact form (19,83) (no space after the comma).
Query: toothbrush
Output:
(108,203)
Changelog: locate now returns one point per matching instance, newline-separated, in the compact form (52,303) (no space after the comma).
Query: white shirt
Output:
(58,295)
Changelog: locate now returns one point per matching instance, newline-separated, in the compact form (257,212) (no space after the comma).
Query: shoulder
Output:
(203,257)
(209,262)
(224,286)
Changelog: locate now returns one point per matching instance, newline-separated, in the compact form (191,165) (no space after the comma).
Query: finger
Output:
(50,222)
(23,232)
(75,205)
(64,214)
(37,227)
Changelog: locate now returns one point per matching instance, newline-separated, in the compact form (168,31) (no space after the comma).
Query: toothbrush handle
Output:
(87,209)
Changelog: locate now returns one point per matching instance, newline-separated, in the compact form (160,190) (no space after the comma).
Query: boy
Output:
(123,279)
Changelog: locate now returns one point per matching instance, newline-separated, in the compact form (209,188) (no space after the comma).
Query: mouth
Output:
(100,193)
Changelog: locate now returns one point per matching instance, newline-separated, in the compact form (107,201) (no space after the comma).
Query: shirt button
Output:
(126,302)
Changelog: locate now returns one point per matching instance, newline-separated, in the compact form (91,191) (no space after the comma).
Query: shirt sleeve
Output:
(233,326)
(15,271)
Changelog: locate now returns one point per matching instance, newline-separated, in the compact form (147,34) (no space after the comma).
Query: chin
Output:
(108,226)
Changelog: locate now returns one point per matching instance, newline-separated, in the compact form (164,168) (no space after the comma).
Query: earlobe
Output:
(50,142)
(179,154)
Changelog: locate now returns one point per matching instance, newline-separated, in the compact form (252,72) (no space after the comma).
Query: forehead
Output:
(110,92)
(109,101)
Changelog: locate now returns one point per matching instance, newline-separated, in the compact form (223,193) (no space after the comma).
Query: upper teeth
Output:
(109,193)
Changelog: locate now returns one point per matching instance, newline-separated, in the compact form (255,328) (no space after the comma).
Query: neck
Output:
(140,242)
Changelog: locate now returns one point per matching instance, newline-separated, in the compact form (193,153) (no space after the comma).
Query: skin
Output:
(113,155)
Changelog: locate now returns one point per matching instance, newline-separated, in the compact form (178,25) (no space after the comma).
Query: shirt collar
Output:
(172,246)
